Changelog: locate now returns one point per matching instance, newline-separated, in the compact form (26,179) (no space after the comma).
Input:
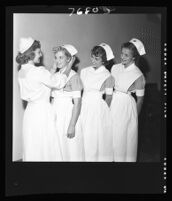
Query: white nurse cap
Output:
(70,48)
(108,50)
(139,45)
(25,44)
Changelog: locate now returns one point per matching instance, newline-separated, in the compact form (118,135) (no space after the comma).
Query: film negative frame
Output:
(111,178)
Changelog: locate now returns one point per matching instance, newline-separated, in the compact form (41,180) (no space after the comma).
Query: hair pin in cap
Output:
(70,48)
(139,45)
(25,44)
(108,50)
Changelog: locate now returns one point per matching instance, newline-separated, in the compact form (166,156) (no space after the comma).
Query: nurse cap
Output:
(25,44)
(70,48)
(108,50)
(139,45)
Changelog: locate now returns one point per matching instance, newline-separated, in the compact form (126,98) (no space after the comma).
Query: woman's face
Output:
(97,61)
(61,59)
(127,57)
(38,55)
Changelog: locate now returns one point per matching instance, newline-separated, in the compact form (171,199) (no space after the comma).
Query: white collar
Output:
(28,65)
(130,67)
(100,69)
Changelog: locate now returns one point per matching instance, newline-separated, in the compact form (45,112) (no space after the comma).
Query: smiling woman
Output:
(61,57)
(124,108)
(129,54)
(67,106)
(95,116)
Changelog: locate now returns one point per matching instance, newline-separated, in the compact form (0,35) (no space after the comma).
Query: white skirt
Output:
(40,139)
(125,124)
(96,128)
(72,148)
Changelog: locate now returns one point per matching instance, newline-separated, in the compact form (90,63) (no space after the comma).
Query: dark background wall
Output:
(84,32)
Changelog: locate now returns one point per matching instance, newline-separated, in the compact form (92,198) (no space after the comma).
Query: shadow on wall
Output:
(75,66)
(149,119)
(110,64)
(144,66)
(150,125)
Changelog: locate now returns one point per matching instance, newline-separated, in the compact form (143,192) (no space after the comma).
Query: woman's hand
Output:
(69,66)
(54,67)
(71,132)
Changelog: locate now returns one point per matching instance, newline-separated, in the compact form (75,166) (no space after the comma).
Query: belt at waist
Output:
(93,93)
(39,101)
(124,92)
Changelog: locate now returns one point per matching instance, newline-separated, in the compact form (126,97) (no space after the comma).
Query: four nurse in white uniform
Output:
(97,129)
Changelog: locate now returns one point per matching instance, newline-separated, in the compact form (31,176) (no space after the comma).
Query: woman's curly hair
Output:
(60,48)
(23,58)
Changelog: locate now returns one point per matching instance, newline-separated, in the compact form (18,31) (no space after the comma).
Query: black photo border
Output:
(23,178)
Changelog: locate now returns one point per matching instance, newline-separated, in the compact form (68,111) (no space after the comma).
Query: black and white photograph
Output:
(88,87)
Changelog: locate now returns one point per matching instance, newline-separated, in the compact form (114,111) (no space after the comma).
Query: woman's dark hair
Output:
(109,64)
(23,58)
(133,48)
(99,51)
